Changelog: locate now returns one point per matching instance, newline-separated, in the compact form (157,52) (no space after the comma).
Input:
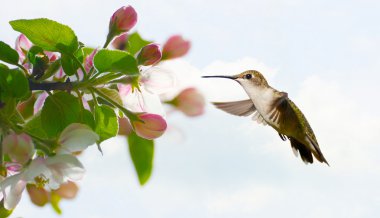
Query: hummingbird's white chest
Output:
(263,99)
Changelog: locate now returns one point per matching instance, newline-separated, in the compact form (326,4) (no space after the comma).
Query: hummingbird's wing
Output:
(288,119)
(239,108)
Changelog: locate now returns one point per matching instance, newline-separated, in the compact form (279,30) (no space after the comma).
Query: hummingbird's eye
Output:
(248,76)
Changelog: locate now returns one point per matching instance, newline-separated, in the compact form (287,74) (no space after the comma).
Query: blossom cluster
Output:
(77,96)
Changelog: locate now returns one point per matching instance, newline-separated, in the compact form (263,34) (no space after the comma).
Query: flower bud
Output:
(120,42)
(150,126)
(190,102)
(123,20)
(20,148)
(175,47)
(38,195)
(125,127)
(22,46)
(149,55)
(89,61)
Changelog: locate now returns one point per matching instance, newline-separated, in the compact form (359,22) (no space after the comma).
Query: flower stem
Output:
(127,112)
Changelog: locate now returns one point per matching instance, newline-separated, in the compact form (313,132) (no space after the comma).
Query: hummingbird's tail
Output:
(305,152)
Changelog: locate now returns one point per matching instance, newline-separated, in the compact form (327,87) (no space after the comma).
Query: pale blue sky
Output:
(325,54)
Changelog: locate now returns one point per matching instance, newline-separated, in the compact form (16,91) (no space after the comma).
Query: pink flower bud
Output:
(89,61)
(125,127)
(20,148)
(22,46)
(175,47)
(38,195)
(190,102)
(123,20)
(120,42)
(149,55)
(151,127)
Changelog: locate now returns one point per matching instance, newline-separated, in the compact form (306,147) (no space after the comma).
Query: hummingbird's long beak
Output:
(217,76)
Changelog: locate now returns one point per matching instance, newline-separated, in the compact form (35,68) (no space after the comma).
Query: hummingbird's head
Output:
(249,78)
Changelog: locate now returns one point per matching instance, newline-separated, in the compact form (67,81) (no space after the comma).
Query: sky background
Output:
(325,54)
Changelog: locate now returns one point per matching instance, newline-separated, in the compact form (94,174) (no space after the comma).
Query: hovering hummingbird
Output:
(274,108)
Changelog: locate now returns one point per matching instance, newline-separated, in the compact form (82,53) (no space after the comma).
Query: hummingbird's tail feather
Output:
(305,153)
(317,152)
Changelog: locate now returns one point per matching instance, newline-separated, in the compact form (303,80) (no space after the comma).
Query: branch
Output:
(65,86)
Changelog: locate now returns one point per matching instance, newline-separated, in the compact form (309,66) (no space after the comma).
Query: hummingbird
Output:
(269,106)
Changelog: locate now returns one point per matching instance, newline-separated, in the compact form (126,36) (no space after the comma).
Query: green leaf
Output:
(107,125)
(69,65)
(49,35)
(8,108)
(135,43)
(141,151)
(115,61)
(13,83)
(34,127)
(112,94)
(88,119)
(7,54)
(59,110)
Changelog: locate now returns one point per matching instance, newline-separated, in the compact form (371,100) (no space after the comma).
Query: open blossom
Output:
(151,127)
(149,55)
(76,137)
(152,82)
(38,195)
(54,171)
(190,101)
(123,20)
(19,148)
(67,190)
(175,47)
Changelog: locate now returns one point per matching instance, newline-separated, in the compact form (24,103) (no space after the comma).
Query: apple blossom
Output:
(67,190)
(76,137)
(149,55)
(20,148)
(190,101)
(89,61)
(22,46)
(125,127)
(120,42)
(52,171)
(38,195)
(152,82)
(175,47)
(150,126)
(121,21)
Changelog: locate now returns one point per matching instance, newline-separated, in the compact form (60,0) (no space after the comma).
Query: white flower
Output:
(76,137)
(152,82)
(52,171)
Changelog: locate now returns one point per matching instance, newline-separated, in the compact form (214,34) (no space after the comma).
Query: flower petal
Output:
(158,80)
(64,167)
(76,137)
(14,195)
(39,102)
